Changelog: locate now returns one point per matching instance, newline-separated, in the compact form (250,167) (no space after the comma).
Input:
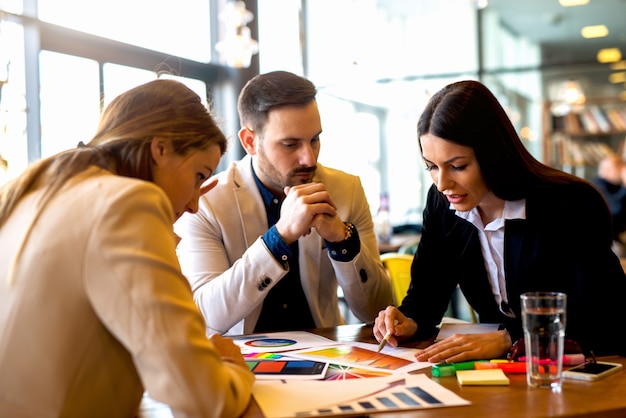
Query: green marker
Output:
(449,369)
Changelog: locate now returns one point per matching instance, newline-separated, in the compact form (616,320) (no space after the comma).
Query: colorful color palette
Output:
(349,355)
(285,369)
(270,342)
(339,372)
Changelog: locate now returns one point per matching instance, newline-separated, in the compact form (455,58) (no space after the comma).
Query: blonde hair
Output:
(161,108)
(164,108)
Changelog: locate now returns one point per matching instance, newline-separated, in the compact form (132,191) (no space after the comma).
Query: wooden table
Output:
(605,398)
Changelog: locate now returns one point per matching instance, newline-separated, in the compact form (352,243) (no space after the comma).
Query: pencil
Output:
(383,342)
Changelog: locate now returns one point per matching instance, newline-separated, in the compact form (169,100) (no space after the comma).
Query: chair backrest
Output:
(399,268)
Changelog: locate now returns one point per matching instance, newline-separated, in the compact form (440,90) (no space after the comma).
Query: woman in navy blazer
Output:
(499,223)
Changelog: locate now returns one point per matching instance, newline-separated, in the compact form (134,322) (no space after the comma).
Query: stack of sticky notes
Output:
(482,377)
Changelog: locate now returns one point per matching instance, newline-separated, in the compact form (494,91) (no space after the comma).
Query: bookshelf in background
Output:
(578,140)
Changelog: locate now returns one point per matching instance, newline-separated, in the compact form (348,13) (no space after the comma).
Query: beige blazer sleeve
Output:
(231,270)
(134,284)
(99,310)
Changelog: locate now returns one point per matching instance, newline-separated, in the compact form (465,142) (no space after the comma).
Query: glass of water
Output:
(543,320)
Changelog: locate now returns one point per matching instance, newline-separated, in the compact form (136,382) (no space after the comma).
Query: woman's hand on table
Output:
(467,347)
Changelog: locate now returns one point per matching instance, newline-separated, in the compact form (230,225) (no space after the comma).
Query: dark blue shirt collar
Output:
(266,194)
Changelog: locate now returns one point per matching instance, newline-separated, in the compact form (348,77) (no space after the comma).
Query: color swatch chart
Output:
(350,355)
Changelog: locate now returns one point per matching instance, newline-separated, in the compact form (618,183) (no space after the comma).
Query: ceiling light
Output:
(527,133)
(480,4)
(571,92)
(596,31)
(570,3)
(618,77)
(609,55)
(237,46)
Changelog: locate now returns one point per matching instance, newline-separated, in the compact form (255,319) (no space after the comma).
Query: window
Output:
(13,149)
(64,76)
(180,28)
(119,78)
(383,66)
(70,97)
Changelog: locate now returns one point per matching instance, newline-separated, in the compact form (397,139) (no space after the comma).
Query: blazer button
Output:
(264,283)
(363,275)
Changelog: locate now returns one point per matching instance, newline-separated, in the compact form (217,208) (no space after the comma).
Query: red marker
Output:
(568,359)
(507,367)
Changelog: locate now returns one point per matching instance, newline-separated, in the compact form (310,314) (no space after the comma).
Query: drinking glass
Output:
(543,320)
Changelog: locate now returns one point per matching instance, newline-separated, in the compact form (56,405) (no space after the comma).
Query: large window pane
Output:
(385,64)
(199,87)
(119,78)
(180,28)
(13,145)
(70,101)
(389,40)
(280,42)
(349,132)
(11,6)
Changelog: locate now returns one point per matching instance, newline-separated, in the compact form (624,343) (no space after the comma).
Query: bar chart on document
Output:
(396,396)
(349,397)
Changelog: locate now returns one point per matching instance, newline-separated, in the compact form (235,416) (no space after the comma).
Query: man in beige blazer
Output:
(281,232)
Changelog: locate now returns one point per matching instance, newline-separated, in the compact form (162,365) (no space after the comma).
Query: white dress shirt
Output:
(492,245)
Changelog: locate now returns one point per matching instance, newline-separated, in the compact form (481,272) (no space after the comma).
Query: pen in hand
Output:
(383,342)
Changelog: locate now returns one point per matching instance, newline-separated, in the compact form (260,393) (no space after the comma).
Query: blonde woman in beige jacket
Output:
(93,306)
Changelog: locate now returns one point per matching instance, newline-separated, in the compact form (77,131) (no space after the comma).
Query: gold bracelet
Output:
(347,230)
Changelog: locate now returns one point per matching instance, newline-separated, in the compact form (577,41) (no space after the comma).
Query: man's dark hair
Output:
(265,92)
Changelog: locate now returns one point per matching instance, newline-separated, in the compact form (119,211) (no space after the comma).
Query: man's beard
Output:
(279,181)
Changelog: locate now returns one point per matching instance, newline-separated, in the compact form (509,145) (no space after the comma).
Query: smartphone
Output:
(592,371)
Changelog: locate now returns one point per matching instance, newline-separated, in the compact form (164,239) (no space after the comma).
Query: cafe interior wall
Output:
(377,62)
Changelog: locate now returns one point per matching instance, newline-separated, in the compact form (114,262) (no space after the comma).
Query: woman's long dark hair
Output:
(467,113)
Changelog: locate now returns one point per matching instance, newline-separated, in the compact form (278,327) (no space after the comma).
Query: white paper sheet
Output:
(449,329)
(274,342)
(402,352)
(315,398)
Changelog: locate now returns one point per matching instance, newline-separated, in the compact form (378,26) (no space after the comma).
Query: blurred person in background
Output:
(609,181)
